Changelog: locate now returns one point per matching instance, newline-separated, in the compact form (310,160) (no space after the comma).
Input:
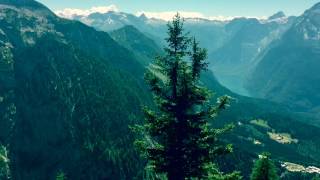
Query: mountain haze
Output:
(248,38)
(245,38)
(288,70)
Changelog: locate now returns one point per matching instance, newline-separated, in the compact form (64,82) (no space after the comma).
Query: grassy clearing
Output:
(283,138)
(261,123)
(292,167)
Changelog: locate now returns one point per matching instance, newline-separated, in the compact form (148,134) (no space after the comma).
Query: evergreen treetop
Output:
(179,142)
(264,169)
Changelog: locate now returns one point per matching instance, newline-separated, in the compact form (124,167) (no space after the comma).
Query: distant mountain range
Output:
(288,71)
(249,37)
(233,45)
(155,28)
(252,57)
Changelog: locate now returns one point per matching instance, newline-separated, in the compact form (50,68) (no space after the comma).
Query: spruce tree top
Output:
(179,142)
(264,169)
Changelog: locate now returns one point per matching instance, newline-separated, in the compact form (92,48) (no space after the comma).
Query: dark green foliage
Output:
(7,106)
(75,100)
(67,96)
(316,177)
(4,163)
(179,142)
(264,169)
(61,176)
(298,176)
(279,117)
(144,48)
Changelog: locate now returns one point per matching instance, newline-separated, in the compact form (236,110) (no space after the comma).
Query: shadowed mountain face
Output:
(67,96)
(288,72)
(142,46)
(233,46)
(233,62)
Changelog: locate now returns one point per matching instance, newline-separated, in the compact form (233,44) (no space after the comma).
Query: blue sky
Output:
(253,8)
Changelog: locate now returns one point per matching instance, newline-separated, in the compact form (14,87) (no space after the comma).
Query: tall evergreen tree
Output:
(179,142)
(264,169)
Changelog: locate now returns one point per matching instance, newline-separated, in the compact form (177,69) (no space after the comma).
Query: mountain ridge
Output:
(62,87)
(281,74)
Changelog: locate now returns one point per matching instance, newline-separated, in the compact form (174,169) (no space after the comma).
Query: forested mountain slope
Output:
(141,45)
(288,71)
(68,94)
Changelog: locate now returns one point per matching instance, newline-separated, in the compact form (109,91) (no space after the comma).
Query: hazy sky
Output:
(253,8)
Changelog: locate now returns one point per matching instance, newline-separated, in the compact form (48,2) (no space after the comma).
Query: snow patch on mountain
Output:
(188,15)
(308,25)
(71,13)
(278,17)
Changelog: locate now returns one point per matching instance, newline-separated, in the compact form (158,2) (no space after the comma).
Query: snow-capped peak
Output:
(71,13)
(308,25)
